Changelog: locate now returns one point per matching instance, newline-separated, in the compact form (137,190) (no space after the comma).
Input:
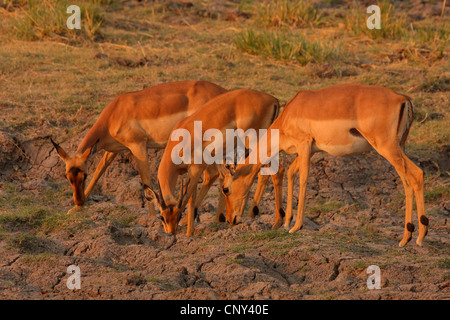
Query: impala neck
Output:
(167,178)
(96,133)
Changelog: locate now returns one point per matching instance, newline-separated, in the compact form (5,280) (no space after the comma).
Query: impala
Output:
(133,122)
(238,109)
(340,120)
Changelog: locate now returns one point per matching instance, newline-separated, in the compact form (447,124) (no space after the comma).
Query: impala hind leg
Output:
(412,178)
(415,177)
(304,155)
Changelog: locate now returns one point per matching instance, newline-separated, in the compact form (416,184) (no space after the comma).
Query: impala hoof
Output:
(221,218)
(405,240)
(419,242)
(75,209)
(255,211)
(277,225)
(295,228)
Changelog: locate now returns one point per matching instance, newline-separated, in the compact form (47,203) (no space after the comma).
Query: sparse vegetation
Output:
(394,26)
(47,19)
(286,47)
(291,13)
(56,82)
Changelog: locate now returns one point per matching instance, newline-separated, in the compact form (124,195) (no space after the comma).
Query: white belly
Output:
(359,145)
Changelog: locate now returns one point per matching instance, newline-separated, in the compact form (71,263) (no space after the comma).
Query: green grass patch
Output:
(269,235)
(47,258)
(396,25)
(358,265)
(286,46)
(40,19)
(29,217)
(240,248)
(123,218)
(444,263)
(22,211)
(322,205)
(393,26)
(283,248)
(437,193)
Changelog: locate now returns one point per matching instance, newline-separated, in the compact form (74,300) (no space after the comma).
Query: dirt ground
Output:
(122,258)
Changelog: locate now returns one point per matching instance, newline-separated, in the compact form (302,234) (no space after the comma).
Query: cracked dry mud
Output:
(354,219)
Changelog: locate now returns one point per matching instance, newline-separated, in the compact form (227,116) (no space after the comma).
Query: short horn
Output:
(182,193)
(162,202)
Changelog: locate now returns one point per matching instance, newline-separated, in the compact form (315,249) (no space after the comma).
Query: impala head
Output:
(75,171)
(171,211)
(235,187)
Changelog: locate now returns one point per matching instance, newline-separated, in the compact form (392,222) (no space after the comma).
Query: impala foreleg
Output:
(220,216)
(105,161)
(304,154)
(194,174)
(139,152)
(278,187)
(209,177)
(292,171)
(262,182)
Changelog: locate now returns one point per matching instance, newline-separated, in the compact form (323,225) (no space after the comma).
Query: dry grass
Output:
(37,20)
(286,47)
(281,13)
(199,42)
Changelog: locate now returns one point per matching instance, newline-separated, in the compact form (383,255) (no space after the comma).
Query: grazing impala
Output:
(239,109)
(133,122)
(340,120)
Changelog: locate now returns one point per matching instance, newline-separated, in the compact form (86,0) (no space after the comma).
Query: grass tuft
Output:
(392,26)
(48,19)
(285,47)
(297,13)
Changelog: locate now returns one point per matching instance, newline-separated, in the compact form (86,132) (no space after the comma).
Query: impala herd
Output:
(340,120)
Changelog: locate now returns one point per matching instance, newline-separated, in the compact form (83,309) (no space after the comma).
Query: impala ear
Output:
(90,151)
(62,154)
(227,169)
(151,195)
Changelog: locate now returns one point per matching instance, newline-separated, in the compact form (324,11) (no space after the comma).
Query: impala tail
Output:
(405,119)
